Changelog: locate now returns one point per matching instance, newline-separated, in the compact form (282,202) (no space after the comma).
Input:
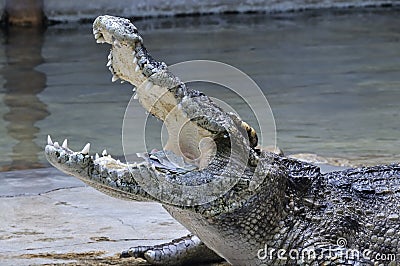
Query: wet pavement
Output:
(53,218)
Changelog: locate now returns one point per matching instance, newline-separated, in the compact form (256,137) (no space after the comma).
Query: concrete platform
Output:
(50,218)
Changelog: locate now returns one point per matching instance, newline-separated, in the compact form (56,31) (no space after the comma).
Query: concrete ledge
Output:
(50,218)
(73,10)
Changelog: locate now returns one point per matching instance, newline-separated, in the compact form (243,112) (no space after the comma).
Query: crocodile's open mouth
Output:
(201,135)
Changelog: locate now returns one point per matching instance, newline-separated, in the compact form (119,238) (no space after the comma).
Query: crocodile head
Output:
(210,173)
(211,142)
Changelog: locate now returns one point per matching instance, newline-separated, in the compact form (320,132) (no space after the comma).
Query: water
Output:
(331,78)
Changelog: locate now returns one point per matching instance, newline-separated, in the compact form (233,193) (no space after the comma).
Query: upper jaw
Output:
(129,59)
(114,29)
(161,93)
(158,90)
(124,38)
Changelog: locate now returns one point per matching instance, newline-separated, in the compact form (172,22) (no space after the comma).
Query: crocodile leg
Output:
(187,250)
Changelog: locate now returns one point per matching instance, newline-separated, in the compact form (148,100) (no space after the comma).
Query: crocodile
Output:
(241,203)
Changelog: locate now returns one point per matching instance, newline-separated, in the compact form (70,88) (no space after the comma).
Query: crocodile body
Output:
(273,203)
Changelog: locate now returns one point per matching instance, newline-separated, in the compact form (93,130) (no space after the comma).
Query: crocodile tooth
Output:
(122,81)
(117,43)
(114,78)
(135,97)
(109,63)
(65,144)
(134,53)
(109,56)
(95,31)
(56,144)
(86,149)
(97,156)
(49,141)
(134,89)
(111,69)
(97,35)
(101,40)
(135,60)
(149,85)
(137,68)
(104,153)
(109,156)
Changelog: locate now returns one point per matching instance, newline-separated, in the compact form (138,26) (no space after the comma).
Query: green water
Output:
(332,79)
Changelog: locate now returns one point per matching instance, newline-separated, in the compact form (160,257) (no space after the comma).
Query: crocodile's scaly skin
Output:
(276,205)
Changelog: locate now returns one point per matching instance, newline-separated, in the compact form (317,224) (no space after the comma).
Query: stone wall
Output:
(73,10)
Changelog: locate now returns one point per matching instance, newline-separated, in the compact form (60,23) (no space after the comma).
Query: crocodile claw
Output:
(187,250)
